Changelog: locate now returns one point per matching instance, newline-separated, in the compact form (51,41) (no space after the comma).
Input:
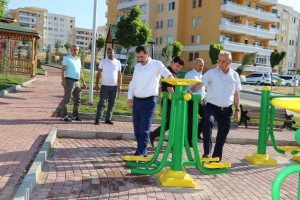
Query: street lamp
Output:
(297,51)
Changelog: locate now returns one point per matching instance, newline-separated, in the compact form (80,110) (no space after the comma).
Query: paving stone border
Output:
(13,88)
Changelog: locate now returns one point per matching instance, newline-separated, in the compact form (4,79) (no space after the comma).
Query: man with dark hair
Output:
(111,83)
(142,95)
(174,68)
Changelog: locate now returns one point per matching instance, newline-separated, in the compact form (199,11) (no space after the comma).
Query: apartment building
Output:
(241,26)
(84,36)
(50,26)
(288,38)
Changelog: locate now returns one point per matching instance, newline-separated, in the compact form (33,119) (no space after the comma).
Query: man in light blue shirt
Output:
(70,74)
(195,73)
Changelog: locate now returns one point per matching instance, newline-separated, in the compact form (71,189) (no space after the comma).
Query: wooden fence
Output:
(19,66)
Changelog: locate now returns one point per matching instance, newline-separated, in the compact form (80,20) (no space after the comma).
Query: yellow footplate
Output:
(206,159)
(289,148)
(217,165)
(296,158)
(137,158)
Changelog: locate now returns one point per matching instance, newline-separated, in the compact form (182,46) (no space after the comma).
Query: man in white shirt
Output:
(195,73)
(223,90)
(111,83)
(142,95)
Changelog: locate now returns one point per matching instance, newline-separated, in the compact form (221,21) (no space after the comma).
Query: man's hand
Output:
(84,85)
(236,116)
(119,88)
(130,102)
(97,87)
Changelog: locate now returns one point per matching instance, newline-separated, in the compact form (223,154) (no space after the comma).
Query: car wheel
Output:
(258,83)
(289,85)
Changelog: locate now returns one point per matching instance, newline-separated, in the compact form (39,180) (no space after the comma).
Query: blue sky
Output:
(83,9)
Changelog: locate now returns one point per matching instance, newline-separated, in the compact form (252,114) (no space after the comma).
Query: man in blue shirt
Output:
(70,74)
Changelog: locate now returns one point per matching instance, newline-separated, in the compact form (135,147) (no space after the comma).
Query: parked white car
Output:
(290,80)
(275,79)
(259,78)
(243,79)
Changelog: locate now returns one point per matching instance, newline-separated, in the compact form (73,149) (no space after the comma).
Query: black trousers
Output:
(213,113)
(190,119)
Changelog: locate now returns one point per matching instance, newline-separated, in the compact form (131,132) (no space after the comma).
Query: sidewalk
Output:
(28,114)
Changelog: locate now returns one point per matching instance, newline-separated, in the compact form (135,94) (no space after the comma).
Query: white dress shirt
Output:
(221,87)
(193,74)
(146,79)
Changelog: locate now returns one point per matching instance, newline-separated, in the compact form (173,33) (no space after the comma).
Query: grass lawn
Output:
(12,80)
(40,71)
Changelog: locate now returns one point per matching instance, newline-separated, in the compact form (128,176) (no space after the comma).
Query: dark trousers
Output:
(223,117)
(72,87)
(190,120)
(156,132)
(142,116)
(107,93)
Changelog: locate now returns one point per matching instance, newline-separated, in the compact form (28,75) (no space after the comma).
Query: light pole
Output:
(297,51)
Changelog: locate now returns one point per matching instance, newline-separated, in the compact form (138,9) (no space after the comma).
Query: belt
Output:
(71,79)
(218,107)
(144,98)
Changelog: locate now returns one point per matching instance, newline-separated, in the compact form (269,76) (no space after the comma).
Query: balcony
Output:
(273,43)
(247,48)
(126,4)
(240,10)
(268,2)
(235,28)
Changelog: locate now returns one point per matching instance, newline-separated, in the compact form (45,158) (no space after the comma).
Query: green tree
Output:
(100,42)
(68,45)
(57,45)
(130,60)
(29,51)
(5,60)
(214,50)
(132,31)
(82,56)
(276,57)
(48,54)
(177,49)
(247,60)
(3,7)
(167,54)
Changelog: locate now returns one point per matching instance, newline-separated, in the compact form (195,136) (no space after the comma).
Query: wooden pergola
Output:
(10,32)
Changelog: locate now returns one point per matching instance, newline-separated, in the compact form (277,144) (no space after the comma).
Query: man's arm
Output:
(97,79)
(236,102)
(63,69)
(196,87)
(119,81)
(82,78)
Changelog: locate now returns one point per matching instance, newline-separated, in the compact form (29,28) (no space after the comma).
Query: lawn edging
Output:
(13,88)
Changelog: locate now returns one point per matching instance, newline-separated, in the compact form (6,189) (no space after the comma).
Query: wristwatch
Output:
(237,110)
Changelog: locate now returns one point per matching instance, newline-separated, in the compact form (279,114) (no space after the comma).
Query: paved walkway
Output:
(27,115)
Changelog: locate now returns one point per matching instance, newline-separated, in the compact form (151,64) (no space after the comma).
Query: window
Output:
(196,55)
(170,23)
(156,40)
(283,27)
(284,16)
(71,21)
(144,8)
(172,5)
(158,8)
(160,40)
(193,21)
(192,39)
(191,58)
(161,24)
(194,4)
(197,39)
(282,39)
(199,3)
(162,7)
(157,24)
(169,39)
(199,20)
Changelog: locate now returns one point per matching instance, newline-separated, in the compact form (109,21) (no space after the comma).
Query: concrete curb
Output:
(13,88)
(30,180)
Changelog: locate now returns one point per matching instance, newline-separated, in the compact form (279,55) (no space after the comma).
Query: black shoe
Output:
(205,156)
(108,122)
(66,119)
(76,119)
(96,122)
(152,139)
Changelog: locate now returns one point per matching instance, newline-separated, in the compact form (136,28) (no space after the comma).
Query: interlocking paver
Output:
(28,114)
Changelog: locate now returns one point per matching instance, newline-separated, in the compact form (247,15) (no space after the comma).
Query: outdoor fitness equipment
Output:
(281,176)
(175,175)
(268,103)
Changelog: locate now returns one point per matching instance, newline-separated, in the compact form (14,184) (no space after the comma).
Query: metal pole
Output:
(92,67)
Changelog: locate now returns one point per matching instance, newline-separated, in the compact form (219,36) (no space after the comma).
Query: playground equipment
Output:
(175,175)
(283,174)
(268,103)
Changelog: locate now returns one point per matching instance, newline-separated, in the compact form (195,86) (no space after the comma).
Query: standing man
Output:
(70,74)
(174,68)
(142,95)
(196,73)
(110,85)
(223,90)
